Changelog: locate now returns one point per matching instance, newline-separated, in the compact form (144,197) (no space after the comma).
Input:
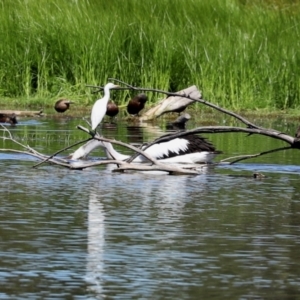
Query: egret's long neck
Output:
(106,94)
(112,153)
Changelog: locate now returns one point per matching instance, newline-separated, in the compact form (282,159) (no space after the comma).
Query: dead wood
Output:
(156,165)
(171,169)
(205,102)
(251,128)
(60,151)
(79,165)
(223,129)
(173,102)
(244,157)
(23,113)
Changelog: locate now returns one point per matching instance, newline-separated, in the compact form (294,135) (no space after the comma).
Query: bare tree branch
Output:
(59,151)
(205,102)
(250,129)
(124,166)
(223,129)
(244,157)
(103,139)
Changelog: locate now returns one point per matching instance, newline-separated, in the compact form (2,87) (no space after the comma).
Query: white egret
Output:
(100,106)
(188,149)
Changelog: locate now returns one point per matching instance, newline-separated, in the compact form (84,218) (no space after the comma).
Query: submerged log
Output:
(23,113)
(173,103)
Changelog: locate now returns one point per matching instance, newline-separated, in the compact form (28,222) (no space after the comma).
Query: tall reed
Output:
(241,54)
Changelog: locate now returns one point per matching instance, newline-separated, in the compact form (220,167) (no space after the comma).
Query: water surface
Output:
(94,234)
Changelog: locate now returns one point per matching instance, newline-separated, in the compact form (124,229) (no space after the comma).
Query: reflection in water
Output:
(171,195)
(96,231)
(135,134)
(145,236)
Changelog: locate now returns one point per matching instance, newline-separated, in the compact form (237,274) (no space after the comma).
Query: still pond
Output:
(94,234)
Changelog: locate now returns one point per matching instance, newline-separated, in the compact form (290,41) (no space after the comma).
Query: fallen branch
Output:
(205,102)
(79,165)
(250,129)
(223,129)
(172,170)
(172,103)
(244,157)
(23,113)
(59,151)
(136,150)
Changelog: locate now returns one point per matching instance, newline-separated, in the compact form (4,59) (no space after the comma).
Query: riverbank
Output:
(207,115)
(242,54)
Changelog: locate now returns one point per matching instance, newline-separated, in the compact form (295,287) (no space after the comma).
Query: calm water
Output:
(94,234)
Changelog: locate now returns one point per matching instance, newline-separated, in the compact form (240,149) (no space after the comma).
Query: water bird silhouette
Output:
(136,104)
(112,109)
(62,105)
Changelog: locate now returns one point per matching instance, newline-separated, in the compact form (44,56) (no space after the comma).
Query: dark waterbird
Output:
(136,104)
(8,118)
(62,105)
(112,109)
(179,123)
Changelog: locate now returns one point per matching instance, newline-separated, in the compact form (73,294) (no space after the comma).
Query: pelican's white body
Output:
(156,151)
(100,106)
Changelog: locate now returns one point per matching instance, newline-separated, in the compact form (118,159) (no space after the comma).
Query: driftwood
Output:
(251,128)
(172,103)
(122,166)
(154,165)
(23,113)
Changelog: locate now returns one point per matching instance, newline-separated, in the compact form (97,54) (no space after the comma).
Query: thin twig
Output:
(59,151)
(244,157)
(103,139)
(39,156)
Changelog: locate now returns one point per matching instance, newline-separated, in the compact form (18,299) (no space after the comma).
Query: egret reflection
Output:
(96,241)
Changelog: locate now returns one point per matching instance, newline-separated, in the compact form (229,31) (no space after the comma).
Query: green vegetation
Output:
(241,54)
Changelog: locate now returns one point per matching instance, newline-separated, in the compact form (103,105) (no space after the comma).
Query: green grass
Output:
(241,54)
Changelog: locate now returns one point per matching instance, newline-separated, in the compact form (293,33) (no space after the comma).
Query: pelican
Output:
(100,106)
(136,104)
(189,149)
(112,109)
(62,105)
